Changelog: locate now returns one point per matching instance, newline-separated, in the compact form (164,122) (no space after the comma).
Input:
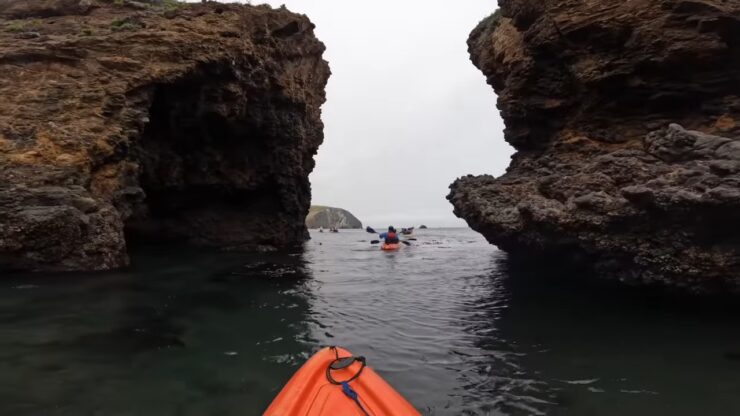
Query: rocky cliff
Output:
(625,117)
(329,217)
(126,120)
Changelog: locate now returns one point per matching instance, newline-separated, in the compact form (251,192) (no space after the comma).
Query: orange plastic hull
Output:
(389,247)
(309,393)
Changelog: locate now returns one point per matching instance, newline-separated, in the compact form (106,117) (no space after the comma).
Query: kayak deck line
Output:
(334,382)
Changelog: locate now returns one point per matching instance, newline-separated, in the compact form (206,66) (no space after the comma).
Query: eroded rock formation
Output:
(626,121)
(153,120)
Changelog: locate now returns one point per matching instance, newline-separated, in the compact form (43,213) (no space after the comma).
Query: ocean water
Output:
(450,322)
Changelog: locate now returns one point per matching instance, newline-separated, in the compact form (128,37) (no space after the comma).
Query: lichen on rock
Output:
(128,121)
(626,121)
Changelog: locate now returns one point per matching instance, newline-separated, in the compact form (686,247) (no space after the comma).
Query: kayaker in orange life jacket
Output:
(390,237)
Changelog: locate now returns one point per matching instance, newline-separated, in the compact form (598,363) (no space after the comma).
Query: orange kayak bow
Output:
(335,383)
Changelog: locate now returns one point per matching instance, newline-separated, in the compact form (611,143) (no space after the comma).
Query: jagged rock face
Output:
(626,121)
(160,121)
(329,217)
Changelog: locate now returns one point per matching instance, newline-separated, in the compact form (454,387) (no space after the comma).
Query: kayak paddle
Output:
(370,230)
(402,241)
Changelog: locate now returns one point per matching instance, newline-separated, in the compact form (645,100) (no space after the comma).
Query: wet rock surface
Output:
(626,122)
(130,121)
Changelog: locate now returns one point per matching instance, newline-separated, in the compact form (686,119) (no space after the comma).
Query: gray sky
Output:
(406,111)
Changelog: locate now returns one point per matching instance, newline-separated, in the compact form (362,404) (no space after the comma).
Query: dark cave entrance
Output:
(205,168)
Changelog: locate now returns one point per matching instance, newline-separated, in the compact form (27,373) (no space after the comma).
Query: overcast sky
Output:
(406,110)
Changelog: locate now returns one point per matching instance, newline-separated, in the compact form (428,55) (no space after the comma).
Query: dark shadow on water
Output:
(594,347)
(491,378)
(530,280)
(176,333)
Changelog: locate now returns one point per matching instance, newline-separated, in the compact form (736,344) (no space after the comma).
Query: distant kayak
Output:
(333,382)
(390,247)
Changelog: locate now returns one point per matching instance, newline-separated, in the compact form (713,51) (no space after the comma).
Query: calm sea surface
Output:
(449,322)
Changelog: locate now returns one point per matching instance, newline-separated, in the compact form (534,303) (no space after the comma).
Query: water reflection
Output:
(601,349)
(178,334)
(450,322)
(426,317)
(489,378)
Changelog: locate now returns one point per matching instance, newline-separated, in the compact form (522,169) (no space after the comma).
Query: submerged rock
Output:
(329,217)
(154,121)
(626,121)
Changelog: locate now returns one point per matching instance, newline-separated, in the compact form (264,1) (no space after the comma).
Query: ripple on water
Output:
(448,322)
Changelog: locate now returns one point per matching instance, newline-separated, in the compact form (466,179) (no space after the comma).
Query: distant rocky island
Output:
(329,217)
(625,117)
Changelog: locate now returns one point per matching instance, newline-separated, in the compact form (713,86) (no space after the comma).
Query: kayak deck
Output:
(310,393)
(389,247)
